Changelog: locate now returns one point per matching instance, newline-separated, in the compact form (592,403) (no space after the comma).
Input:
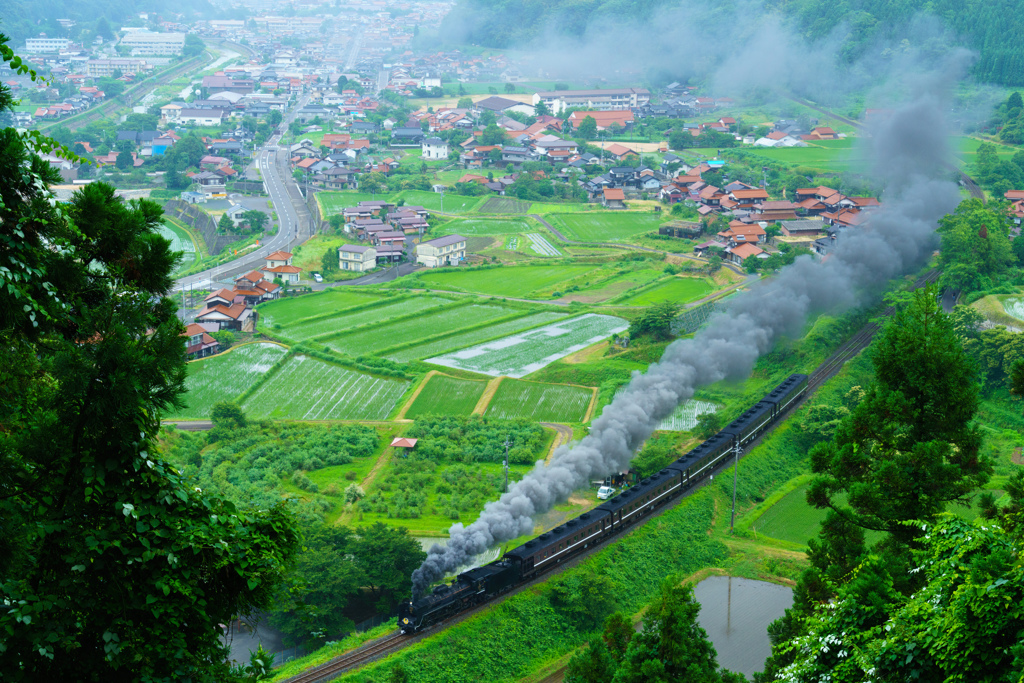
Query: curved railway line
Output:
(395,641)
(965,180)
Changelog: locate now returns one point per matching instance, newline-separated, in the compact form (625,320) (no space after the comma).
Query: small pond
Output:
(736,612)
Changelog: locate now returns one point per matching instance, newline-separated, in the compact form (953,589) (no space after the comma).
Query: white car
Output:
(605,492)
(318,277)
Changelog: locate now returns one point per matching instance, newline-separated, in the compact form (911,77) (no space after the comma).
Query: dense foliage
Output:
(898,458)
(976,253)
(672,646)
(112,565)
(476,439)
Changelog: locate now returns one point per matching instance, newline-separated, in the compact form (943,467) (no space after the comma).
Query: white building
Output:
(600,100)
(44,44)
(146,43)
(355,257)
(435,148)
(100,68)
(443,251)
(279,265)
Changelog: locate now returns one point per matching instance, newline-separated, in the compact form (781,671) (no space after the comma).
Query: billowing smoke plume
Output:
(908,148)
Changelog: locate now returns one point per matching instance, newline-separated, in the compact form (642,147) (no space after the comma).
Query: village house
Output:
(435,148)
(357,258)
(741,252)
(443,251)
(279,265)
(613,198)
(199,343)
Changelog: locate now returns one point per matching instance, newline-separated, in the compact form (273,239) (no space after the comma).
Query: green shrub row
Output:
(372,366)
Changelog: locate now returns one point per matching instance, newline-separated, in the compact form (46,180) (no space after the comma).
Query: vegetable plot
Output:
(463,340)
(521,354)
(310,389)
(443,395)
(539,402)
(226,376)
(1014,307)
(541,245)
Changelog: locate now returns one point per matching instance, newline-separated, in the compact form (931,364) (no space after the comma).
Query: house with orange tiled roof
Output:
(199,343)
(613,198)
(279,265)
(741,252)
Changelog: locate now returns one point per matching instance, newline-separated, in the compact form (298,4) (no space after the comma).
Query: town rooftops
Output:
(284,269)
(403,442)
(746,250)
(279,256)
(495,103)
(614,193)
(445,241)
(354,249)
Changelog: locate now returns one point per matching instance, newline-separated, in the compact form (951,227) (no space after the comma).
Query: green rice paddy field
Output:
(540,402)
(444,395)
(310,389)
(461,341)
(515,281)
(290,311)
(604,226)
(225,377)
(792,519)
(678,289)
(484,226)
(379,337)
(333,325)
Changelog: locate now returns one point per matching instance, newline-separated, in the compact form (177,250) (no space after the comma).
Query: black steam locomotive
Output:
(479,585)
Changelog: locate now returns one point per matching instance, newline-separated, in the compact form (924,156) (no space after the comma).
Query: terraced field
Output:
(346,321)
(465,339)
(444,395)
(333,202)
(226,376)
(378,337)
(310,389)
(540,402)
(290,311)
(512,281)
(521,354)
(180,241)
(604,226)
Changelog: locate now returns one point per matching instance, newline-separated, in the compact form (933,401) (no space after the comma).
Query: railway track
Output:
(396,641)
(965,180)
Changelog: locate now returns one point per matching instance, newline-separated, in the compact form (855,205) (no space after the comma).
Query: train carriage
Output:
(561,543)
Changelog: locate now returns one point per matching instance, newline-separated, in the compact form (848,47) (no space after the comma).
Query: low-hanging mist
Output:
(908,148)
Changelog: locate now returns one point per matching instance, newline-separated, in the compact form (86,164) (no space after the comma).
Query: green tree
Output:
(587,128)
(188,151)
(372,182)
(226,339)
(387,557)
(909,448)
(174,180)
(465,103)
(274,117)
(541,109)
(194,45)
(310,608)
(113,566)
(228,415)
(655,321)
(103,29)
(124,162)
(493,135)
(708,424)
(329,262)
(976,252)
(225,225)
(256,220)
(672,646)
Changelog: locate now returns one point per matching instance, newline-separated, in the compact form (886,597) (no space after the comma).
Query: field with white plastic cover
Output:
(520,354)
(685,417)
(1014,307)
(309,389)
(226,376)
(540,402)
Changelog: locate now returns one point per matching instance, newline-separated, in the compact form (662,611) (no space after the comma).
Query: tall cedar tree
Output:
(112,566)
(909,448)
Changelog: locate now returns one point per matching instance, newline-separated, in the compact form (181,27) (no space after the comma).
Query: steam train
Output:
(479,585)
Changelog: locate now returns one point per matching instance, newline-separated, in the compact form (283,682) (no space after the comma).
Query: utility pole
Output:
(507,444)
(735,468)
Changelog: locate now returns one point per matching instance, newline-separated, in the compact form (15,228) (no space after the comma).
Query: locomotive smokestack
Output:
(908,150)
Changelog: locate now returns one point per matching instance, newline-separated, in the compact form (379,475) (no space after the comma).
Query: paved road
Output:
(293,217)
(949,298)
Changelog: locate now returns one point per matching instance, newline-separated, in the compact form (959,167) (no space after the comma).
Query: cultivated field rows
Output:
(539,402)
(226,376)
(519,355)
(685,416)
(310,389)
(342,322)
(465,339)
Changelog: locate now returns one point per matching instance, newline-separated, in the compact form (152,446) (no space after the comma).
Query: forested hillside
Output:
(989,28)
